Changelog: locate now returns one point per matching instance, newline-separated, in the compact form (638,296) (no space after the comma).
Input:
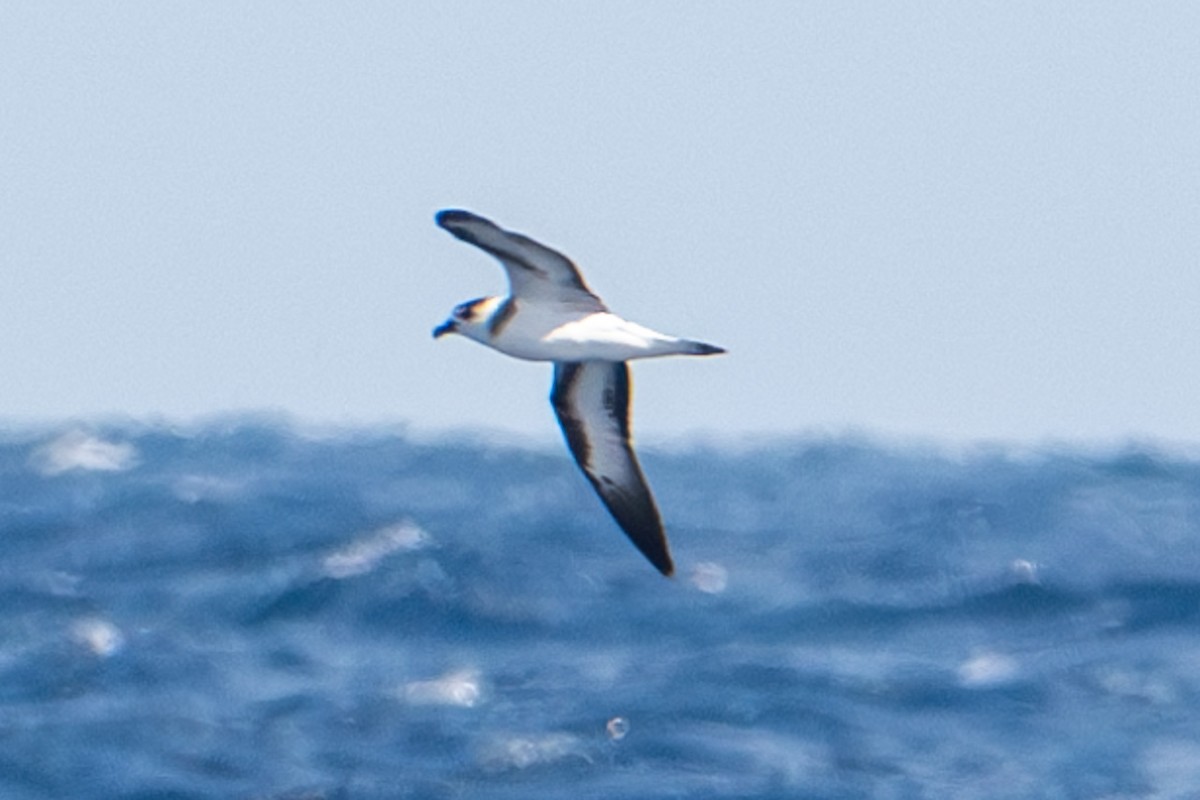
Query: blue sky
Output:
(951,220)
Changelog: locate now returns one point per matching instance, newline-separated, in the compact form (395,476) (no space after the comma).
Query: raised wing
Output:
(535,272)
(591,400)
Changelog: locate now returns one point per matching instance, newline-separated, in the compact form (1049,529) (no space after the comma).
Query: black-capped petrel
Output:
(551,315)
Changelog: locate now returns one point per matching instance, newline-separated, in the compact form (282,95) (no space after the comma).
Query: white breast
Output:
(536,335)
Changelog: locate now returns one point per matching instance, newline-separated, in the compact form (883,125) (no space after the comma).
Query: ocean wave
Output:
(250,611)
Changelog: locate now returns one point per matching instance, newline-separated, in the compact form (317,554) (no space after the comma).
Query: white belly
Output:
(595,337)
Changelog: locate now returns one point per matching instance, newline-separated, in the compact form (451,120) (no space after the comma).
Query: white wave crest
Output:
(362,556)
(463,688)
(522,752)
(98,635)
(77,450)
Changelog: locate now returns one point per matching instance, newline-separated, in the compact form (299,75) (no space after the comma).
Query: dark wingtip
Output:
(656,551)
(703,349)
(451,216)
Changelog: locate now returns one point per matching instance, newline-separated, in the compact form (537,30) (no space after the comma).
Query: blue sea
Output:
(249,609)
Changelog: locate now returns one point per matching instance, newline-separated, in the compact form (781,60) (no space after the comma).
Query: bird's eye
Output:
(466,311)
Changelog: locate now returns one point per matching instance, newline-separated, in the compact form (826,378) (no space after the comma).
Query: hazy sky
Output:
(959,220)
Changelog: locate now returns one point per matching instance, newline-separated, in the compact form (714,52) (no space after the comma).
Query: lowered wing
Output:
(591,400)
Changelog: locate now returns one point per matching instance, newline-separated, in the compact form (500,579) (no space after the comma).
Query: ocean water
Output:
(247,610)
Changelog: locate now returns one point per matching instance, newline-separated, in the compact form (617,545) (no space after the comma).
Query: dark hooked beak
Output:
(443,329)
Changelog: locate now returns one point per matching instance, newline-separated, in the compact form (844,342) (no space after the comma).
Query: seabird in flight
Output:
(551,315)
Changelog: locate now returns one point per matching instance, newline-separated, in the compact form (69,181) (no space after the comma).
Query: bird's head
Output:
(469,319)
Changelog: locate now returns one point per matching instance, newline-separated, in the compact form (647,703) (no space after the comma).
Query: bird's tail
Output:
(693,348)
